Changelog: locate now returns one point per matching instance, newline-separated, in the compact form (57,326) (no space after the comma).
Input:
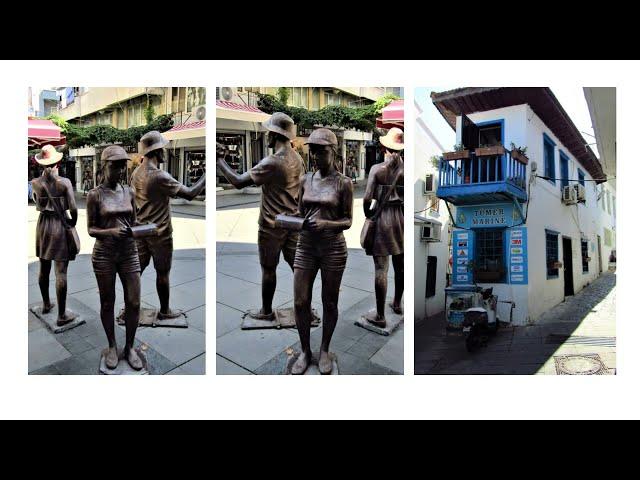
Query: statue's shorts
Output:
(321,250)
(112,256)
(272,241)
(158,248)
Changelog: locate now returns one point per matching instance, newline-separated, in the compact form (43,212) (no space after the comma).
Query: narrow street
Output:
(577,337)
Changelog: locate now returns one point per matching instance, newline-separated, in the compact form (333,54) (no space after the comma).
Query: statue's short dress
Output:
(51,235)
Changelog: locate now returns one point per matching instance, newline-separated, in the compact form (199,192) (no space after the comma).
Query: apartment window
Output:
(178,99)
(549,159)
(564,169)
(489,258)
(581,177)
(584,246)
(490,134)
(434,204)
(196,96)
(602,197)
(315,99)
(552,253)
(608,238)
(432,269)
(614,206)
(609,203)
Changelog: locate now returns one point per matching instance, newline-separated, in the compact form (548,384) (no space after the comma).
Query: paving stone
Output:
(44,350)
(225,367)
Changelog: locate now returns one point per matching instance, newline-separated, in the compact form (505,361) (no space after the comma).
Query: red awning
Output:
(42,132)
(392,115)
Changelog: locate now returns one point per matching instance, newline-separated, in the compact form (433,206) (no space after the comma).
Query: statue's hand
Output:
(316,224)
(120,232)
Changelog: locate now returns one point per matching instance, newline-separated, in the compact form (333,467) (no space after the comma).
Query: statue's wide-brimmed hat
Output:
(281,123)
(394,139)
(151,141)
(48,156)
(113,153)
(322,136)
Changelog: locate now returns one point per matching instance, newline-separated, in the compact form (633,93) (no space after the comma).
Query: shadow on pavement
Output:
(514,350)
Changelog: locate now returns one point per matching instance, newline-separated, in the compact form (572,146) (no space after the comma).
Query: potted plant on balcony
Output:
(519,153)
(490,150)
(459,152)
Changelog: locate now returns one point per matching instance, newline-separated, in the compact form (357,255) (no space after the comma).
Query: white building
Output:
(431,226)
(530,238)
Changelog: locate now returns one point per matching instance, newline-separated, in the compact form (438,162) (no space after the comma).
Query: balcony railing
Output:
(486,174)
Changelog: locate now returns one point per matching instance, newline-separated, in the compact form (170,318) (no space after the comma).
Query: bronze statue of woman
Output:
(110,215)
(53,196)
(326,202)
(385,185)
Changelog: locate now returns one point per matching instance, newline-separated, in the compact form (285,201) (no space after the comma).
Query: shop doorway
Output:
(567,260)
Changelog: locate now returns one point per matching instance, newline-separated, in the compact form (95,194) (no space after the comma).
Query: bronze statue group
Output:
(131,225)
(303,215)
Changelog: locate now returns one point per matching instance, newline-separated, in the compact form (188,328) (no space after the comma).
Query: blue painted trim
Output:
(547,140)
(465,190)
(581,174)
(564,157)
(557,234)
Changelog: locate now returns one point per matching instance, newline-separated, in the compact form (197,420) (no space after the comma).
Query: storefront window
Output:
(195,163)
(353,158)
(235,153)
(489,259)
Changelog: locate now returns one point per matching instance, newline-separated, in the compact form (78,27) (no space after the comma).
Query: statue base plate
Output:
(49,319)
(393,321)
(285,318)
(313,368)
(149,318)
(123,367)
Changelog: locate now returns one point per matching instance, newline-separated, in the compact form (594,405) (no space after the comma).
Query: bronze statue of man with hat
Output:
(279,176)
(153,189)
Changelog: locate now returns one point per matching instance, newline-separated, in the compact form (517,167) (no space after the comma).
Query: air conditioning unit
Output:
(428,186)
(581,193)
(569,196)
(430,232)
(226,93)
(199,113)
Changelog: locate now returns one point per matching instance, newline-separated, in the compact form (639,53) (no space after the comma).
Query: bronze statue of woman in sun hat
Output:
(326,203)
(385,185)
(110,215)
(53,196)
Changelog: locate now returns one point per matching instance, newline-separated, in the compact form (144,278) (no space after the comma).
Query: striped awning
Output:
(186,130)
(43,132)
(392,115)
(235,111)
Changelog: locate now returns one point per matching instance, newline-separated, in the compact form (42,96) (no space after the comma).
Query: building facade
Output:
(431,227)
(238,124)
(528,222)
(123,108)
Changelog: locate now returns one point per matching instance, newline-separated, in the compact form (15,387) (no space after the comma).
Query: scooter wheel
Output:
(471,343)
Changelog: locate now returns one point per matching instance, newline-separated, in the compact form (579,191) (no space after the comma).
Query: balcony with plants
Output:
(486,174)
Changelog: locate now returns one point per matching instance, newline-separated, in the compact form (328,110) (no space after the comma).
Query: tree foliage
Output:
(350,118)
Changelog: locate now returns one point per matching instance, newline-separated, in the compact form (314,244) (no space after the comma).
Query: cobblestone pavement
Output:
(168,350)
(575,336)
(238,284)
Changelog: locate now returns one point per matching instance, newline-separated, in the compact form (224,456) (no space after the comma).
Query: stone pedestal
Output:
(149,318)
(313,368)
(123,367)
(393,321)
(285,318)
(49,319)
